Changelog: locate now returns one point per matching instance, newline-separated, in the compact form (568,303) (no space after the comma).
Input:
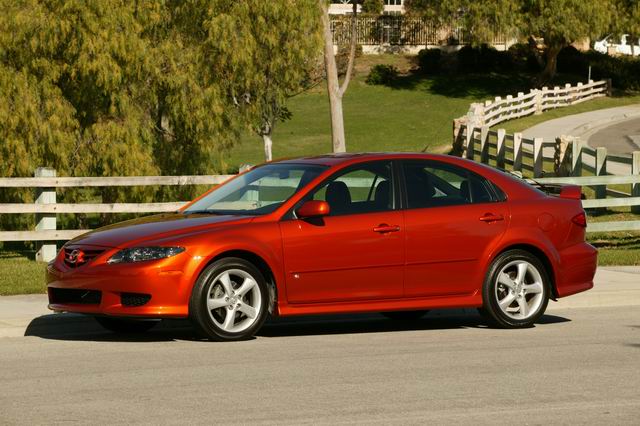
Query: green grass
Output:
(413,114)
(19,274)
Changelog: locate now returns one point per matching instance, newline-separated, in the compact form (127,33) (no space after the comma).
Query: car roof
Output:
(514,187)
(348,157)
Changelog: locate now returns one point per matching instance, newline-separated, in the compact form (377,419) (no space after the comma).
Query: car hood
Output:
(154,227)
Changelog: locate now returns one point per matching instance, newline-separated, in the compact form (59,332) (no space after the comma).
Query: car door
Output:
(452,216)
(357,251)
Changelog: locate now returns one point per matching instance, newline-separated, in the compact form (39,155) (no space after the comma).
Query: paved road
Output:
(583,124)
(620,138)
(579,365)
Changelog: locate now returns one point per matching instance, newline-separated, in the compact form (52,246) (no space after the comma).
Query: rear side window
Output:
(434,184)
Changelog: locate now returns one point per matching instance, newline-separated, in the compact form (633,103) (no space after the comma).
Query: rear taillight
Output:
(580,220)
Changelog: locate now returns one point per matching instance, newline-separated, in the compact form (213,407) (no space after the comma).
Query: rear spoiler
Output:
(570,192)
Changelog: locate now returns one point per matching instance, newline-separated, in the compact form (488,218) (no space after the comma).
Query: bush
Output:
(483,59)
(342,58)
(524,58)
(624,71)
(430,61)
(572,61)
(382,74)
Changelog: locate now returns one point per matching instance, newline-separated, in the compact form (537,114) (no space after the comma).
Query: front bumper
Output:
(153,289)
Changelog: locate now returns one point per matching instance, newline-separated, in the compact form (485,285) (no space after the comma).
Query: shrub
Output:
(382,74)
(430,61)
(524,58)
(572,61)
(483,59)
(624,71)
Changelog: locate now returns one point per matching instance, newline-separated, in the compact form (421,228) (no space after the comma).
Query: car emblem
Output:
(76,257)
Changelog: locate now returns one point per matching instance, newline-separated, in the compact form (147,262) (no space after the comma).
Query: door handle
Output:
(384,228)
(490,217)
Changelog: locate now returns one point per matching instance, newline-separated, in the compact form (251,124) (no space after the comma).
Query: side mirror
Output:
(313,208)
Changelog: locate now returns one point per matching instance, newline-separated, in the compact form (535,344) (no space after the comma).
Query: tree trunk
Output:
(268,143)
(551,64)
(333,86)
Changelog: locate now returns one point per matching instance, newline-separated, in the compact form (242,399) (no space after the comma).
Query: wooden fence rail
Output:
(46,208)
(498,110)
(629,200)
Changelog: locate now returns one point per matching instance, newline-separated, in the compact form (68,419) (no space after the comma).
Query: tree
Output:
(270,52)
(558,22)
(336,90)
(627,20)
(121,88)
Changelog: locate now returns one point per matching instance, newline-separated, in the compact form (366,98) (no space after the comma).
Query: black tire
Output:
(491,291)
(404,315)
(203,320)
(126,325)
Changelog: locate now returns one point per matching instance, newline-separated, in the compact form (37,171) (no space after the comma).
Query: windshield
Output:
(260,191)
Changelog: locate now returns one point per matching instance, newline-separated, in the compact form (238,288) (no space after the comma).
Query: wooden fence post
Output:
(45,251)
(538,99)
(635,170)
(609,91)
(470,142)
(537,158)
(457,146)
(517,152)
(601,170)
(576,157)
(484,144)
(560,164)
(500,149)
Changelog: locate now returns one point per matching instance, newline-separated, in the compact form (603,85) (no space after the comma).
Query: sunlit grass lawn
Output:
(19,274)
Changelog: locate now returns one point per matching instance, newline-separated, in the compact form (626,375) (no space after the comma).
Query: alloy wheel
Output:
(519,290)
(234,300)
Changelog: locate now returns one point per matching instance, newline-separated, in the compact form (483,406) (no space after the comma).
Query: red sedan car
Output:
(393,233)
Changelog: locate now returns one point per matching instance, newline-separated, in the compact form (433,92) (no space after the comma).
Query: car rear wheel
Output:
(516,290)
(229,300)
(404,315)
(126,325)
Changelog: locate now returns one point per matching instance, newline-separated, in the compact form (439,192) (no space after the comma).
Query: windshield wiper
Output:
(213,212)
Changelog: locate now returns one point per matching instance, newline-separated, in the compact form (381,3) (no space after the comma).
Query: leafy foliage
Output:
(382,74)
(145,87)
(271,50)
(558,22)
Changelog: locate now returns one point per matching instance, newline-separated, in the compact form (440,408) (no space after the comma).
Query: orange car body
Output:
(434,258)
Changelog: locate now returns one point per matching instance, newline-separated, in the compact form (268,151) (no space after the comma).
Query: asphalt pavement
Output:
(579,365)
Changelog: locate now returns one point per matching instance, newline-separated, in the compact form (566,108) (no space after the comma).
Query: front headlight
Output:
(140,254)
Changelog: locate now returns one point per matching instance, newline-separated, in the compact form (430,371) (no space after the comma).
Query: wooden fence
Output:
(45,207)
(537,101)
(619,199)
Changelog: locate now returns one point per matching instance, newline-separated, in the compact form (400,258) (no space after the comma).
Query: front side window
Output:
(434,184)
(260,191)
(364,189)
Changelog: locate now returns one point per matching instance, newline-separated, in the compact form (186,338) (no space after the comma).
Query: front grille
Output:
(75,257)
(134,299)
(65,296)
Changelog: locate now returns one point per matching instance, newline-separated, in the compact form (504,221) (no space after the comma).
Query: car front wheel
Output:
(229,300)
(516,290)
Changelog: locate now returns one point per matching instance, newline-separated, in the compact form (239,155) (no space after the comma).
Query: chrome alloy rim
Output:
(518,289)
(234,300)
